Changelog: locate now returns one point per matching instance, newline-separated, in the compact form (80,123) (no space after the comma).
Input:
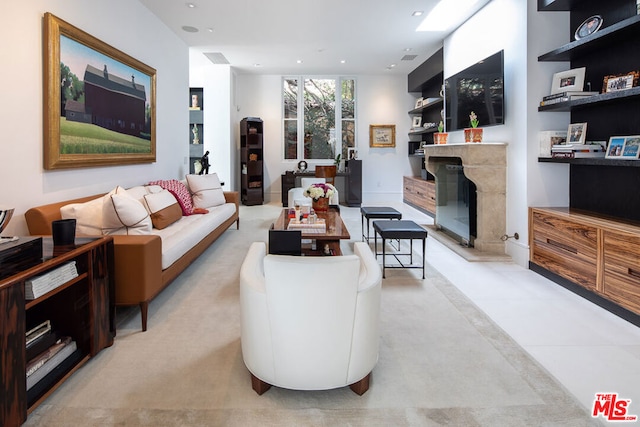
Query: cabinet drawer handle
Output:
(633,273)
(562,246)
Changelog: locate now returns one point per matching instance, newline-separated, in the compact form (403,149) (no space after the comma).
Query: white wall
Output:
(501,24)
(125,25)
(381,100)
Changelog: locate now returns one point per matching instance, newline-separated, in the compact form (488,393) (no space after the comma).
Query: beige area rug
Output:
(442,361)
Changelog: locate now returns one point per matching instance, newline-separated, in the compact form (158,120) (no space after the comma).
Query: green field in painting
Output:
(84,138)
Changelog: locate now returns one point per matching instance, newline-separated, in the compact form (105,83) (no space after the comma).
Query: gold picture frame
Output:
(382,136)
(105,119)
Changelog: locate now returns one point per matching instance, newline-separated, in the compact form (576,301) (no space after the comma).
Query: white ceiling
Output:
(369,35)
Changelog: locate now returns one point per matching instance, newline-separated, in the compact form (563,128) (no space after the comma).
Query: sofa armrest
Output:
(138,268)
(370,272)
(234,197)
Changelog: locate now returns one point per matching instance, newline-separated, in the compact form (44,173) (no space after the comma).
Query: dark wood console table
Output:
(82,308)
(352,194)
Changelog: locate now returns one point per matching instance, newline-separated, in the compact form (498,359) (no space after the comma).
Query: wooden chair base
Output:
(358,388)
(361,386)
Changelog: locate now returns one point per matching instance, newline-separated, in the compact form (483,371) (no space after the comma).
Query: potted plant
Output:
(320,193)
(474,133)
(440,137)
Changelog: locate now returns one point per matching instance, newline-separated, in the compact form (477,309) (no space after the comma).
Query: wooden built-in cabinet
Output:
(82,308)
(598,253)
(251,159)
(420,193)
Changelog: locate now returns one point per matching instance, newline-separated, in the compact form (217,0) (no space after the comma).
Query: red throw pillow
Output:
(179,191)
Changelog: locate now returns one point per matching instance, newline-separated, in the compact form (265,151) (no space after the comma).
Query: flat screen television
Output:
(479,88)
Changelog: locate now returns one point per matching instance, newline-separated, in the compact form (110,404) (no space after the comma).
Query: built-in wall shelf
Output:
(432,103)
(423,131)
(590,100)
(597,161)
(555,5)
(601,39)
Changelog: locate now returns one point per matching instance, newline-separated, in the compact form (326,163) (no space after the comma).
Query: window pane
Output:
(290,98)
(348,136)
(348,99)
(290,139)
(319,118)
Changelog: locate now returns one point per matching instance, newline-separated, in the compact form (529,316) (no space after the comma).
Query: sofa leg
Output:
(258,385)
(238,224)
(144,308)
(361,386)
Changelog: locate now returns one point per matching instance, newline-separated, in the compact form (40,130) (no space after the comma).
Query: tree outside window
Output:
(314,134)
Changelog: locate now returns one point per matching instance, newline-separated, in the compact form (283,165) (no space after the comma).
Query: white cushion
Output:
(122,214)
(88,216)
(206,190)
(163,209)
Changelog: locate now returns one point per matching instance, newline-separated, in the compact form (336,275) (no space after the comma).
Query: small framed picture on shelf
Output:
(620,82)
(419,102)
(588,27)
(568,81)
(352,153)
(577,133)
(631,148)
(417,122)
(615,148)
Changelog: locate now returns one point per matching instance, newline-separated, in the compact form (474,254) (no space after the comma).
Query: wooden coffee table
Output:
(336,231)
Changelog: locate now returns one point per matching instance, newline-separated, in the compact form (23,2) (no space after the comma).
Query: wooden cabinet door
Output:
(622,269)
(566,248)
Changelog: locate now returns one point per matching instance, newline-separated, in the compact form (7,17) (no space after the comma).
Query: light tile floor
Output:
(588,349)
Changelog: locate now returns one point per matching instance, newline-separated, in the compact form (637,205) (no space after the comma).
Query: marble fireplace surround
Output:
(485,164)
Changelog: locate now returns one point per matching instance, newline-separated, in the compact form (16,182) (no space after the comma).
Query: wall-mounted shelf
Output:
(595,161)
(423,131)
(595,99)
(432,103)
(603,38)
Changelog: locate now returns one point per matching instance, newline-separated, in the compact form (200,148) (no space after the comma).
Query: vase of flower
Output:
(320,194)
(440,137)
(474,133)
(321,204)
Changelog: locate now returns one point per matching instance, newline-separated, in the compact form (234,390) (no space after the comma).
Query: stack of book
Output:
(564,97)
(419,151)
(40,285)
(45,351)
(318,227)
(577,151)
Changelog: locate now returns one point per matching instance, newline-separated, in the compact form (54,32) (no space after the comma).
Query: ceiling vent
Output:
(409,57)
(217,58)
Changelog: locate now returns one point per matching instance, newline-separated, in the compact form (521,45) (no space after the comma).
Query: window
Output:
(313,135)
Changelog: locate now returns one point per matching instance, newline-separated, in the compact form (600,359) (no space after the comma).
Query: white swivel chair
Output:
(296,194)
(310,323)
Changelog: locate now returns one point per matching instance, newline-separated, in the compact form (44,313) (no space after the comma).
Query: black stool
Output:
(399,230)
(376,212)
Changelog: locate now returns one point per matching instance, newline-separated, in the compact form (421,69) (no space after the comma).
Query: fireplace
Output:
(462,170)
(456,200)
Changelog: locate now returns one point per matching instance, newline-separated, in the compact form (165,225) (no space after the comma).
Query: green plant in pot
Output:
(440,137)
(473,134)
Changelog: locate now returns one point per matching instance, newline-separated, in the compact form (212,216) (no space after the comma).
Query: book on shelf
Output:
(40,285)
(40,344)
(37,362)
(568,93)
(577,154)
(550,138)
(36,332)
(48,366)
(563,99)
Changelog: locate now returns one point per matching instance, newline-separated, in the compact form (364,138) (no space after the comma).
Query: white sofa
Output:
(310,323)
(296,194)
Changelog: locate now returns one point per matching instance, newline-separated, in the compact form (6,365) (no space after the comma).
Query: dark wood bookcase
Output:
(251,159)
(82,308)
(602,185)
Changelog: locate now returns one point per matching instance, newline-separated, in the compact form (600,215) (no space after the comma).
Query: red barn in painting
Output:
(113,102)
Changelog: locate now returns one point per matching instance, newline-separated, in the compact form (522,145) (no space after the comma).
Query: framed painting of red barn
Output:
(99,103)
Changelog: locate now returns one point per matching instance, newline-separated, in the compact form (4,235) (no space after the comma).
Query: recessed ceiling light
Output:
(190,5)
(299,61)
(257,65)
(210,30)
(343,61)
(189,29)
(417,13)
(408,49)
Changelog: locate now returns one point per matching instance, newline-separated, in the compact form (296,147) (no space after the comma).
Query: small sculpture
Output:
(204,162)
(196,138)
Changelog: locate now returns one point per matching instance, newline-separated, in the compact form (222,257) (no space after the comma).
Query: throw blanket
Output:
(180,192)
